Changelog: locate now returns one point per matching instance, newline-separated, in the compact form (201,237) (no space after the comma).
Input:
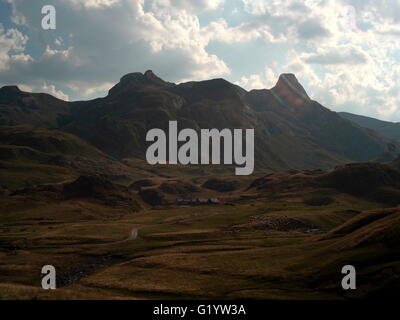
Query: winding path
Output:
(134,233)
(89,268)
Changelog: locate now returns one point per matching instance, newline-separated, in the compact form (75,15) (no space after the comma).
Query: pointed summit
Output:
(138,79)
(10,90)
(148,78)
(9,93)
(154,79)
(289,87)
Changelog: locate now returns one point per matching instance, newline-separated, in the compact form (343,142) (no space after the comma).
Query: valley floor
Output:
(246,248)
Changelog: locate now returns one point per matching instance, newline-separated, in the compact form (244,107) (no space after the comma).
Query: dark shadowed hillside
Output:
(33,155)
(361,178)
(291,130)
(37,109)
(388,129)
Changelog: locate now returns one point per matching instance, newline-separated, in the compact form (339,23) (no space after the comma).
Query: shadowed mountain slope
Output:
(291,130)
(388,129)
(37,109)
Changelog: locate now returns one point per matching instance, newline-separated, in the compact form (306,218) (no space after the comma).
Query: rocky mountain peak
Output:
(9,94)
(289,87)
(11,89)
(138,79)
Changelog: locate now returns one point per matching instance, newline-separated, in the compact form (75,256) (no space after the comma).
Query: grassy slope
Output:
(31,156)
(189,252)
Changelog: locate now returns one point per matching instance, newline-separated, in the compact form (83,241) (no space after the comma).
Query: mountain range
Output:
(292,131)
(388,129)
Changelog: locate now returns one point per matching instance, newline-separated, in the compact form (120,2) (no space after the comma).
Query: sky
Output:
(346,53)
